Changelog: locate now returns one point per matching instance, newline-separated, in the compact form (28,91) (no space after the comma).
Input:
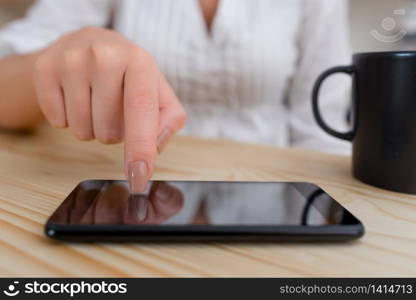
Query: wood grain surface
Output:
(37,172)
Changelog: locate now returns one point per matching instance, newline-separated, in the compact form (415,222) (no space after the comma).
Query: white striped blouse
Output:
(249,79)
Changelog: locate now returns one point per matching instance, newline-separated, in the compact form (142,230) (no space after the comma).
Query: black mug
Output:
(383,118)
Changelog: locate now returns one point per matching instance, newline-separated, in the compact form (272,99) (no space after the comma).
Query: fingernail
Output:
(138,207)
(163,139)
(138,176)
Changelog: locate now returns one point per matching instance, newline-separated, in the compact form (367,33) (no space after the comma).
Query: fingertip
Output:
(138,176)
(60,124)
(109,139)
(83,134)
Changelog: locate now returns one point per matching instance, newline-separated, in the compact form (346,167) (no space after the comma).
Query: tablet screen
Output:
(201,203)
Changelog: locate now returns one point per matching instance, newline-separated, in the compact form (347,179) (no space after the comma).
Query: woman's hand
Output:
(103,86)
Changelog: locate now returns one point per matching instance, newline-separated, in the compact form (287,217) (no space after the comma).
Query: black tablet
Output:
(202,211)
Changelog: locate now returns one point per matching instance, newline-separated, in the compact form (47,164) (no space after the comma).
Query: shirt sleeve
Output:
(47,20)
(324,42)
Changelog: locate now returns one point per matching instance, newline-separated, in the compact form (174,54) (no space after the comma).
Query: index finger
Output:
(141,119)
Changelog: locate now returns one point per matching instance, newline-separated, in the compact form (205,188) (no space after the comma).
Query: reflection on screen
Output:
(199,203)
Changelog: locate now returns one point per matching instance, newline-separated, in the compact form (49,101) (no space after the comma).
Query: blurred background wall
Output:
(376,25)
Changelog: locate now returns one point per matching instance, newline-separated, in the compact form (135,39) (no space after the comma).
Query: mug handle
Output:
(315,102)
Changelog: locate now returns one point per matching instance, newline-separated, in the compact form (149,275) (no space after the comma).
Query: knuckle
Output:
(107,57)
(146,56)
(89,31)
(141,56)
(74,60)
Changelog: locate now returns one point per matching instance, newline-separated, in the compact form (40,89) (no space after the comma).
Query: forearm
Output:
(19,107)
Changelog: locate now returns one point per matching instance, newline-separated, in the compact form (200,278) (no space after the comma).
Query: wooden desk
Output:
(37,172)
